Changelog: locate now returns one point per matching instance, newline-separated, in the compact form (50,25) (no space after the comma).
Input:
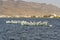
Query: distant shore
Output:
(19,16)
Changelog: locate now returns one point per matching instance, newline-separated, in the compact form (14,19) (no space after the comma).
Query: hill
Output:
(20,7)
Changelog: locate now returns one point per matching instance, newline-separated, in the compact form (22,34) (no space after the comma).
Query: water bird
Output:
(30,23)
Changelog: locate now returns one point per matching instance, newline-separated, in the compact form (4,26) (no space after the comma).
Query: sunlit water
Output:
(19,32)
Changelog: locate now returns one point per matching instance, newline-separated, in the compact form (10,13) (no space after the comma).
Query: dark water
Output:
(18,32)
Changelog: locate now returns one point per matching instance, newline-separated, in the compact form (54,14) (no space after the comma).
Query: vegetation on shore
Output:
(19,16)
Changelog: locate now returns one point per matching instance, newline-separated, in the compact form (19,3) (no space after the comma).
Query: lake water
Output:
(19,32)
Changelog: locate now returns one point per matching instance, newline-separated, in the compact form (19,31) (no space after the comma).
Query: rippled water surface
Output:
(18,32)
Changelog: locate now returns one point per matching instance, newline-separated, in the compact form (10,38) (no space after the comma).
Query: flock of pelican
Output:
(30,23)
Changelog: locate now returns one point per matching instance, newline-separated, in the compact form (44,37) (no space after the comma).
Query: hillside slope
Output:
(19,7)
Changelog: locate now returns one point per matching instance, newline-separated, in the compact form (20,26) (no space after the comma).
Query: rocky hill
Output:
(11,7)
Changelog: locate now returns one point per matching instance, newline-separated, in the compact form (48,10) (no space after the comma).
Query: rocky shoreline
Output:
(21,16)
